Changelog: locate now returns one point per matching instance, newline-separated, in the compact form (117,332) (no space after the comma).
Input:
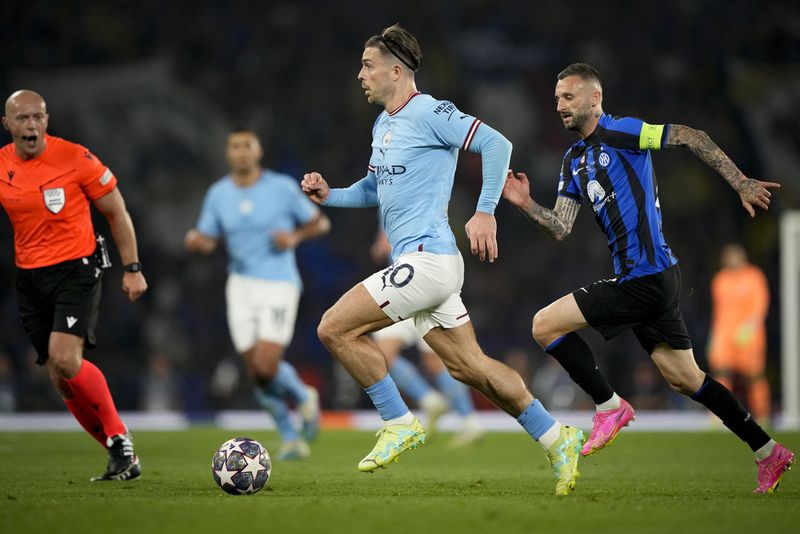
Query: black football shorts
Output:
(59,298)
(649,305)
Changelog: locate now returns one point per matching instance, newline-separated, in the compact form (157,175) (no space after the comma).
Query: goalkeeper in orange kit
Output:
(737,342)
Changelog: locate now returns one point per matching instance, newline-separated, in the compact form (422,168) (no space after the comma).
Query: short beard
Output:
(578,121)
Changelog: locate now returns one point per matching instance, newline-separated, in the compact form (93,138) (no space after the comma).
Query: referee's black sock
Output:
(722,403)
(576,358)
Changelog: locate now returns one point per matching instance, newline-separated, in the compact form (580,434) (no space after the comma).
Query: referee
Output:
(46,186)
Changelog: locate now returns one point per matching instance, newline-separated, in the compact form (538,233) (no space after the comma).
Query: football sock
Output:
(457,393)
(287,384)
(408,379)
(279,410)
(87,418)
(724,405)
(537,422)
(549,438)
(764,451)
(386,398)
(90,388)
(611,404)
(576,358)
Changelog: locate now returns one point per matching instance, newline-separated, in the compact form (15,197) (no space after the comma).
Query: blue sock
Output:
(287,384)
(536,420)
(387,399)
(408,379)
(279,410)
(456,392)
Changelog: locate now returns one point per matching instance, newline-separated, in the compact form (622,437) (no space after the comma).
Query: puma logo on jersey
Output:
(71,321)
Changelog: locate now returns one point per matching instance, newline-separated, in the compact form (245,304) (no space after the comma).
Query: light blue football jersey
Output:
(246,218)
(411,171)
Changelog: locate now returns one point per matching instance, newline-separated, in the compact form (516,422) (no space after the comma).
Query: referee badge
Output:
(54,199)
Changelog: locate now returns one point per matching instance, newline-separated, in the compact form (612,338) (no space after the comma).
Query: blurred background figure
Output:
(262,216)
(737,342)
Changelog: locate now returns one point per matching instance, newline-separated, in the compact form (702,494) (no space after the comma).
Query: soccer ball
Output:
(241,466)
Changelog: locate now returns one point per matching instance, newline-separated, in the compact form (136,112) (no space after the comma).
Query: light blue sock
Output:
(536,420)
(279,410)
(287,384)
(456,392)
(408,380)
(387,399)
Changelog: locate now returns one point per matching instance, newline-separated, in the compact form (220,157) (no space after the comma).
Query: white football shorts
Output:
(422,286)
(260,309)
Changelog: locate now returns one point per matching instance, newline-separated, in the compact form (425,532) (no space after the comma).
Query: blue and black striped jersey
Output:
(612,168)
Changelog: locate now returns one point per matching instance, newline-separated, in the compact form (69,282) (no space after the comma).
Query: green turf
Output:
(646,482)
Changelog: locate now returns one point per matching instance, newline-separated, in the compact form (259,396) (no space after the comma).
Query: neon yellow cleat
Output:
(393,440)
(563,458)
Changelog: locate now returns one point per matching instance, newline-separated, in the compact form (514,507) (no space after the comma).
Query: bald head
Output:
(24,97)
(26,119)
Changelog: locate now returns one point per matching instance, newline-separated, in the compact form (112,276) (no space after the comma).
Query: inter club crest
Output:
(54,199)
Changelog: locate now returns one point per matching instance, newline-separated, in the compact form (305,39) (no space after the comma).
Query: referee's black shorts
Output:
(649,305)
(59,298)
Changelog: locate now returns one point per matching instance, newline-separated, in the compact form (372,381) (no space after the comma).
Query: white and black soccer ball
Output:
(241,466)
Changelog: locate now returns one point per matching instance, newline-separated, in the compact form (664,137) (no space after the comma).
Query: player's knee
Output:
(328,330)
(541,329)
(264,369)
(64,363)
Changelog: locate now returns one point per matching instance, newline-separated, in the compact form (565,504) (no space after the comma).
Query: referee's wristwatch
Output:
(134,267)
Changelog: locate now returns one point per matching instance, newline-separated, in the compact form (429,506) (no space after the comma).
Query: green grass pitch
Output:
(646,482)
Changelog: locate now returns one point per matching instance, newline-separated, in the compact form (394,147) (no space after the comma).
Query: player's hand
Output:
(315,187)
(285,240)
(755,193)
(517,189)
(482,234)
(195,241)
(134,285)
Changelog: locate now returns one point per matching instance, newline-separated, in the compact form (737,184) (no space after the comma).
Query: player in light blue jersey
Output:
(262,216)
(415,144)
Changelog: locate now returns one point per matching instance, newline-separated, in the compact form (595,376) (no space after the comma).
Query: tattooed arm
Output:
(557,222)
(752,192)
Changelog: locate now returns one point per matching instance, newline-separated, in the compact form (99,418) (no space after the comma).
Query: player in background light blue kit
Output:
(434,402)
(415,144)
(262,216)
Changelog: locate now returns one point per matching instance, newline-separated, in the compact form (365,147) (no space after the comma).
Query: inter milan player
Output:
(611,168)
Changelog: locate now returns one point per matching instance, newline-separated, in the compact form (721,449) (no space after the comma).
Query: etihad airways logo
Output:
(391,170)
